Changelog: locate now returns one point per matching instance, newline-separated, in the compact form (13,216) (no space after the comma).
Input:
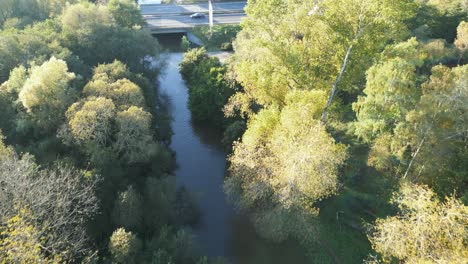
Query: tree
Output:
(159,196)
(36,43)
(426,230)
(286,45)
(285,163)
(123,92)
(47,92)
(134,138)
(184,44)
(208,89)
(190,61)
(391,91)
(124,246)
(415,126)
(21,242)
(128,209)
(90,122)
(435,132)
(438,19)
(59,201)
(27,10)
(90,32)
(8,112)
(126,13)
(115,71)
(462,39)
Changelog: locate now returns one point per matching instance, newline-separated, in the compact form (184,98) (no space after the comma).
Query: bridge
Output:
(172,18)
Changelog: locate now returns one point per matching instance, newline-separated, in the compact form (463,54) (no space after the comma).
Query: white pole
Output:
(210,11)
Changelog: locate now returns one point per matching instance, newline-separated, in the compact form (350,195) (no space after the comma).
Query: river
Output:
(201,168)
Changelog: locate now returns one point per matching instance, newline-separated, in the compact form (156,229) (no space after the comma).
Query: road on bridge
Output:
(176,18)
(162,10)
(186,22)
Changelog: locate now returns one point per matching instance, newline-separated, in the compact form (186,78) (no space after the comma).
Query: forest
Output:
(345,124)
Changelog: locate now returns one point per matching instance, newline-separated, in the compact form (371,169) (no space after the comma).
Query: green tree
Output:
(391,91)
(134,138)
(90,122)
(123,92)
(126,13)
(415,126)
(115,71)
(208,89)
(435,132)
(285,163)
(462,39)
(438,18)
(47,92)
(184,43)
(159,196)
(26,10)
(128,210)
(285,45)
(426,230)
(90,32)
(190,61)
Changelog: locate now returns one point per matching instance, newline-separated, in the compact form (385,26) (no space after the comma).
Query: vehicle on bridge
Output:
(197,15)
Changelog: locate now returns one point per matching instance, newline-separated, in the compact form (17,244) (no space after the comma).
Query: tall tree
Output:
(416,128)
(285,163)
(126,13)
(286,45)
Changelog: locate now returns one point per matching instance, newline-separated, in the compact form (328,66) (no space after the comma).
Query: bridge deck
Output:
(176,18)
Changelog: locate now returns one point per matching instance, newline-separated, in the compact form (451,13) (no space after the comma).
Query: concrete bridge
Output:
(162,19)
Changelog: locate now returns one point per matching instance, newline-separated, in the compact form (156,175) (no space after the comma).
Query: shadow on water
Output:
(170,41)
(208,135)
(201,169)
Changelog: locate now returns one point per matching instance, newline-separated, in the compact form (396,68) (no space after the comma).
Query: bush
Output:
(124,247)
(226,46)
(184,44)
(208,90)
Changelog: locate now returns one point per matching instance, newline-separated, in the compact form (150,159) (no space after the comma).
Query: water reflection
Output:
(201,169)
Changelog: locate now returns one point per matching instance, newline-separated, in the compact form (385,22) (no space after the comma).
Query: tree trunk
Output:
(335,84)
(414,157)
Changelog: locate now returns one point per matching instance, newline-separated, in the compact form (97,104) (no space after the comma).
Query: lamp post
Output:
(210,16)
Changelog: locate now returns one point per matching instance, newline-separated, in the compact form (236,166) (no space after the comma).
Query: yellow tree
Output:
(288,45)
(462,39)
(21,242)
(90,121)
(134,137)
(285,163)
(124,247)
(426,230)
(47,93)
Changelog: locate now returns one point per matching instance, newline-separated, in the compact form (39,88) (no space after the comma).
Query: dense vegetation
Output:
(356,112)
(348,117)
(85,171)
(209,90)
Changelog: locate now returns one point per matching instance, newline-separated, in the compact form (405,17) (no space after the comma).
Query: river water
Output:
(201,168)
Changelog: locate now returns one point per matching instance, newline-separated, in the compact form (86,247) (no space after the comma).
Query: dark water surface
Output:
(201,168)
